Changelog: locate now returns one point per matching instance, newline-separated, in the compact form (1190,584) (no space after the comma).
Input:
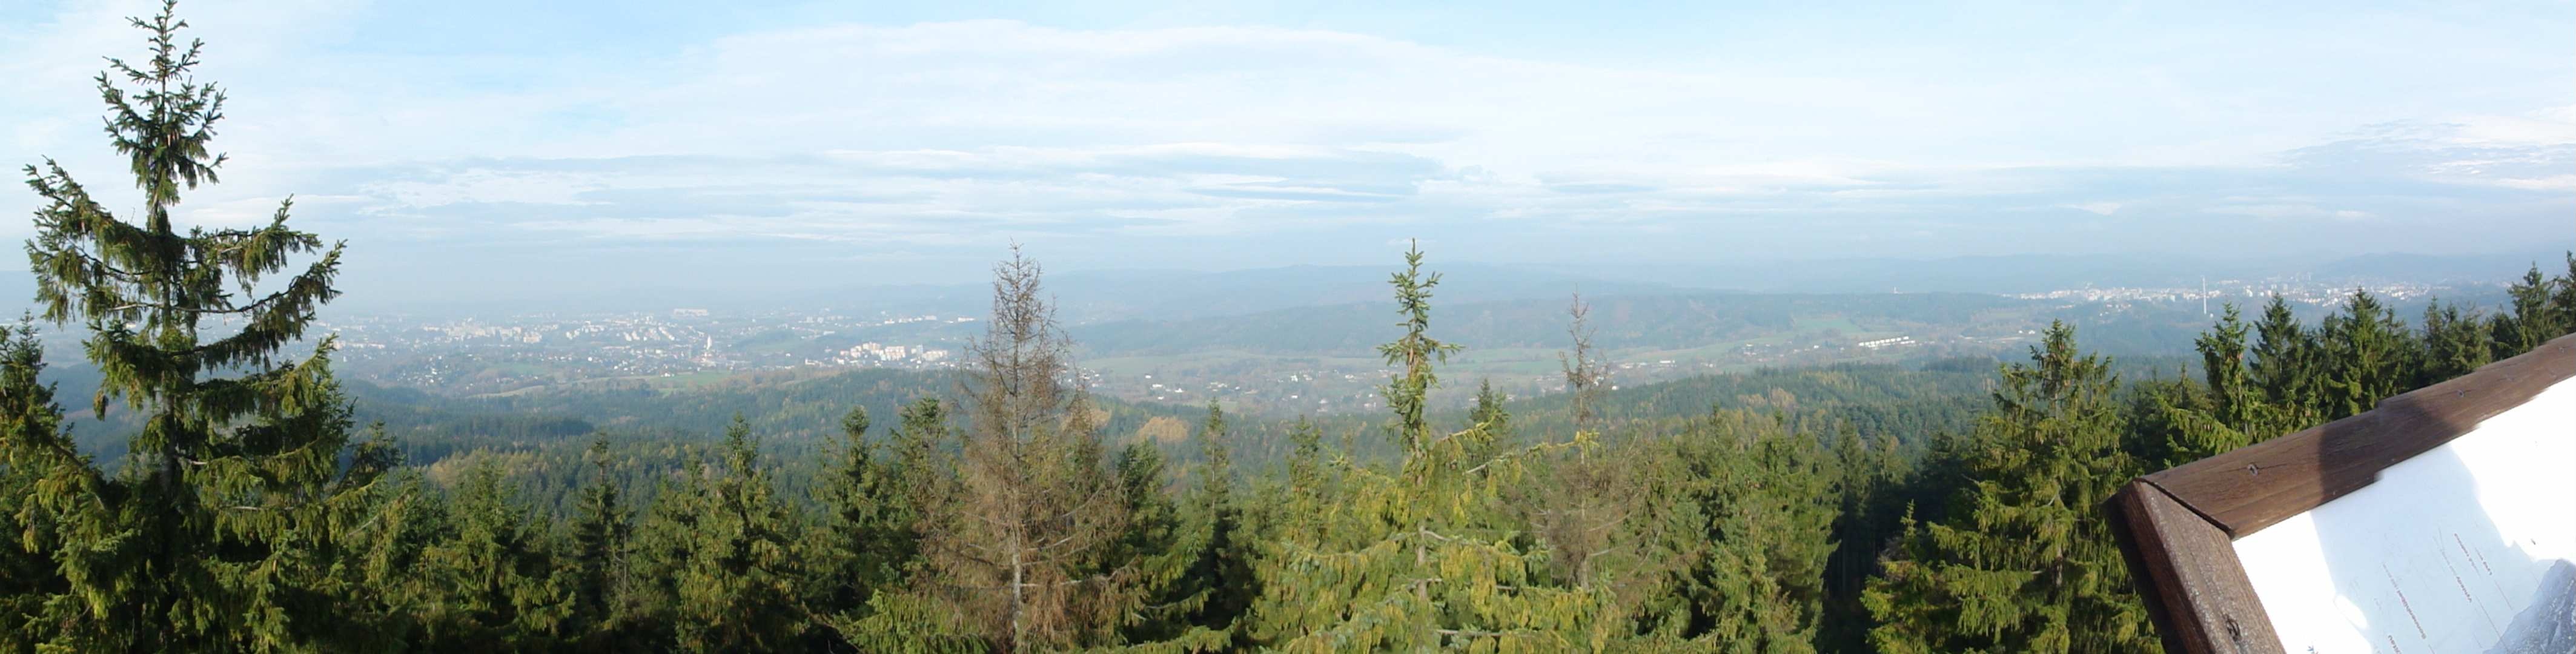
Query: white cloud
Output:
(2291,211)
(909,137)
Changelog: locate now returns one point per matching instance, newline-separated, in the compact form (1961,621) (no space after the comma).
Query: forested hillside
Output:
(258,503)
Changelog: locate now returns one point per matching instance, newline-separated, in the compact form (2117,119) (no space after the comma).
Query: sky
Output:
(474,147)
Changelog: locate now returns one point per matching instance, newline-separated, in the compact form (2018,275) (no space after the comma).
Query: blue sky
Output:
(613,146)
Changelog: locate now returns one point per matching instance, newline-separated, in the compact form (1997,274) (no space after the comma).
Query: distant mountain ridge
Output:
(1100,295)
(1668,320)
(2026,273)
(1103,295)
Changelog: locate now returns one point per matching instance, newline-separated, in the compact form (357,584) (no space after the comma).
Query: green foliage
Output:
(2179,422)
(2025,563)
(1220,581)
(2533,319)
(866,538)
(29,420)
(2455,343)
(2368,356)
(602,534)
(1872,490)
(720,554)
(1193,559)
(2564,300)
(1746,512)
(1781,510)
(496,574)
(212,535)
(1489,412)
(2288,362)
(1407,394)
(1424,555)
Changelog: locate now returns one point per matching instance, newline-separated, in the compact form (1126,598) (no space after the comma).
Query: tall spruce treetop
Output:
(2456,342)
(1410,390)
(600,534)
(146,290)
(2236,413)
(237,440)
(2368,356)
(735,582)
(2222,359)
(2285,363)
(1423,556)
(2025,561)
(867,535)
(2534,321)
(2565,299)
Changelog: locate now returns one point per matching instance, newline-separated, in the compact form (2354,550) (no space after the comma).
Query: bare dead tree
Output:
(1584,372)
(1014,543)
(1590,498)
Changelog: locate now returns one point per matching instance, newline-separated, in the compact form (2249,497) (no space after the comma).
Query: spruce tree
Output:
(717,557)
(2368,356)
(2229,411)
(209,537)
(1734,543)
(2564,300)
(2286,364)
(1488,411)
(1870,490)
(1425,555)
(2025,561)
(2455,343)
(1220,579)
(1759,582)
(1154,540)
(1585,372)
(2222,361)
(380,531)
(666,543)
(2173,421)
(1191,559)
(1308,485)
(1585,497)
(601,532)
(735,581)
(2532,320)
(914,612)
(495,570)
(921,476)
(865,541)
(1015,548)
(29,420)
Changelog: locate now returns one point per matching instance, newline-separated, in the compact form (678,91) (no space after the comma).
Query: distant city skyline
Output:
(488,148)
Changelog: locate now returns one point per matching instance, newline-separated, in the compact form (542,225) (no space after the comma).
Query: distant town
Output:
(471,356)
(475,356)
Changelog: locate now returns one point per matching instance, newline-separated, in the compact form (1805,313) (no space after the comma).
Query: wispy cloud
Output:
(1228,145)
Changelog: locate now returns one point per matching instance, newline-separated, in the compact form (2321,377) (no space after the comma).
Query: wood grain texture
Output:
(2188,573)
(2252,487)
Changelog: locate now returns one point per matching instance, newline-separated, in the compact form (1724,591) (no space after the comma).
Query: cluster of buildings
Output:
(1873,344)
(2215,293)
(871,353)
(476,355)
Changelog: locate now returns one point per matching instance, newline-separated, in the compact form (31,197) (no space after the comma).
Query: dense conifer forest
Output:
(252,502)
